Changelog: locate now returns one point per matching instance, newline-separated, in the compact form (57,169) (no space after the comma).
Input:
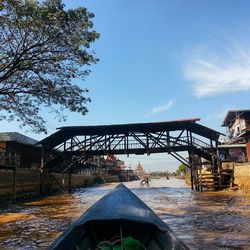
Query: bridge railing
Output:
(142,142)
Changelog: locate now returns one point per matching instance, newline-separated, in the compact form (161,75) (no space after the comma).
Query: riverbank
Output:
(240,176)
(30,183)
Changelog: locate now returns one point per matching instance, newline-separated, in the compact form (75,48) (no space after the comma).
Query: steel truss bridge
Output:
(70,147)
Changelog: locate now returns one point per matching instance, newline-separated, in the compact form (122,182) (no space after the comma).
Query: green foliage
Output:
(42,48)
(181,168)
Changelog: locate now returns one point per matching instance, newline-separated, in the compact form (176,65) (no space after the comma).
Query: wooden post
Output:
(187,137)
(192,179)
(232,177)
(191,160)
(168,139)
(41,172)
(191,138)
(219,175)
(147,143)
(191,171)
(14,184)
(69,181)
(200,178)
(196,179)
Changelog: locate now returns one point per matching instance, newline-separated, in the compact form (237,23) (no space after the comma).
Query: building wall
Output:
(29,156)
(237,126)
(27,182)
(242,175)
(234,154)
(248,151)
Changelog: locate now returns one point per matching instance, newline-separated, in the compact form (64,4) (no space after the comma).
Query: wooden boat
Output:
(117,216)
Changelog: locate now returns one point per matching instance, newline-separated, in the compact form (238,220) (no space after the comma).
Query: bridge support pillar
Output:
(200,178)
(192,179)
(191,164)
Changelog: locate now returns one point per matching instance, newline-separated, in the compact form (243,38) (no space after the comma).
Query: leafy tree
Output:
(42,48)
(181,168)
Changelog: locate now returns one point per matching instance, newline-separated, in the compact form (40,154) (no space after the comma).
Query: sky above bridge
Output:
(164,60)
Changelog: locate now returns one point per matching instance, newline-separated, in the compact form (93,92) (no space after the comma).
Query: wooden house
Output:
(236,147)
(238,126)
(23,148)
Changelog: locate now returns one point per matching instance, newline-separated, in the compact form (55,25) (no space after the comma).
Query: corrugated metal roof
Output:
(17,137)
(130,125)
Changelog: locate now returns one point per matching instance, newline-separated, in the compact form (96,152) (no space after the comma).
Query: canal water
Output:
(208,220)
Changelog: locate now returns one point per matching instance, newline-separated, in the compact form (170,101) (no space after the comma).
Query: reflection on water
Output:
(215,220)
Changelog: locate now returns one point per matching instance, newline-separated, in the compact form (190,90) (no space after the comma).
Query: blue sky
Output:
(164,60)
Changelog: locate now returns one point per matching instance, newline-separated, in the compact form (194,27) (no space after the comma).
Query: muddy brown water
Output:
(208,220)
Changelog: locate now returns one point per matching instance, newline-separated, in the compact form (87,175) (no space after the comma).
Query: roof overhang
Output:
(231,115)
(17,137)
(221,146)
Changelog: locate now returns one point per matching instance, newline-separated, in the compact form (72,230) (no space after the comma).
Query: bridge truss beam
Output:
(171,142)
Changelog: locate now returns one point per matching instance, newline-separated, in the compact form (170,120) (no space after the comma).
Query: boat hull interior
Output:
(91,234)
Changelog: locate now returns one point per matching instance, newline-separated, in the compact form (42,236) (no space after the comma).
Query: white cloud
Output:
(226,71)
(160,109)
